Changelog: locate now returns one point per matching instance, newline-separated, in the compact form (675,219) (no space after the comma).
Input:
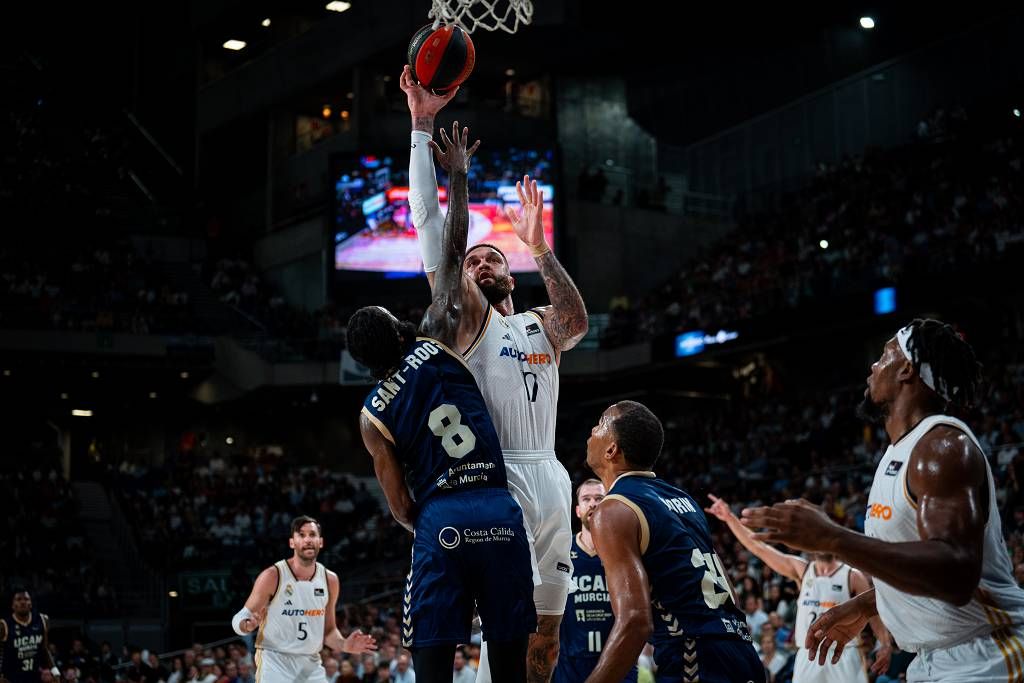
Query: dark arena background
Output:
(750,201)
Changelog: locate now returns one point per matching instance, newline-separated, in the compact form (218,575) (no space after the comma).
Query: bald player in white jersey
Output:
(824,583)
(514,358)
(292,604)
(944,586)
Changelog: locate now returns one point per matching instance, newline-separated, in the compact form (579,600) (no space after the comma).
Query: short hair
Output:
(956,370)
(639,434)
(303,520)
(373,340)
(486,244)
(586,482)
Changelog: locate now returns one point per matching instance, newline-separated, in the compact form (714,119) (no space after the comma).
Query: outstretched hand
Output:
(530,225)
(719,508)
(455,155)
(421,101)
(839,625)
(358,642)
(797,523)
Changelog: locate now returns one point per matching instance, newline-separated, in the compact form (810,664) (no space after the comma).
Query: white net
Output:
(490,15)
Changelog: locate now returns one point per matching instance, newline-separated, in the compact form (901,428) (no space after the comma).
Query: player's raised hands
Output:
(529,225)
(358,642)
(455,155)
(421,101)
(719,508)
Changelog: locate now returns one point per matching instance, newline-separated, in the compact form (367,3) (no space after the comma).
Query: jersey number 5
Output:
(457,439)
(714,575)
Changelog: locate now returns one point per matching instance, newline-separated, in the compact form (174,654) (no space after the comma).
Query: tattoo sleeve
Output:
(567,323)
(423,123)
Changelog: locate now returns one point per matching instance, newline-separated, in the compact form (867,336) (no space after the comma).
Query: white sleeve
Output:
(423,204)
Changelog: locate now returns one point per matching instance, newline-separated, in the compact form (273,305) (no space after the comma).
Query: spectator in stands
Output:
(461,671)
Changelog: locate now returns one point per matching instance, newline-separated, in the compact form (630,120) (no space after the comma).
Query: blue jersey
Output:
(23,649)
(690,593)
(587,621)
(588,615)
(432,411)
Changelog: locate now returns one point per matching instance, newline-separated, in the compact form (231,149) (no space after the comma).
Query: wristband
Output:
(540,249)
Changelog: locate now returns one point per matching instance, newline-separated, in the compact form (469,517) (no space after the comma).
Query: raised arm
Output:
(389,472)
(616,532)
(790,566)
(565,320)
(423,203)
(455,295)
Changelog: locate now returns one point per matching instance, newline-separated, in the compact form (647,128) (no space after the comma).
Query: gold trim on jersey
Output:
(258,659)
(906,490)
(645,530)
(481,334)
(538,316)
(381,427)
(583,547)
(634,473)
(1006,640)
(448,350)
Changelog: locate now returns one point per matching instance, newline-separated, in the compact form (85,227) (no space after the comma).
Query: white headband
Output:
(903,338)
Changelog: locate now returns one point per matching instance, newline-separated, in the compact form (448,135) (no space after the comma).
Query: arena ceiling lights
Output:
(234,44)
(338,6)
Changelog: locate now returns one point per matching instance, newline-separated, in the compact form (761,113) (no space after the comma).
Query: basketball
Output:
(441,58)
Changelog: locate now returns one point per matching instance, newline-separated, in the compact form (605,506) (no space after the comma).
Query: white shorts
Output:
(277,667)
(996,657)
(541,486)
(849,669)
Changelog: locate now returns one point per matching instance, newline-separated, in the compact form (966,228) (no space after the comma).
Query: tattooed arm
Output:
(565,320)
(455,296)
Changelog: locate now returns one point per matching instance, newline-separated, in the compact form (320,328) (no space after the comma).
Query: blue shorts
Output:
(577,669)
(470,550)
(709,660)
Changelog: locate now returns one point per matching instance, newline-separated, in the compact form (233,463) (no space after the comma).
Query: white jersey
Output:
(918,623)
(296,615)
(514,365)
(819,594)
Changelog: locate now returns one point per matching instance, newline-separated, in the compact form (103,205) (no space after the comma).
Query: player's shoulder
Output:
(948,452)
(271,573)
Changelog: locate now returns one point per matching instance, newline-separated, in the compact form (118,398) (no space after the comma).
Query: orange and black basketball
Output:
(441,58)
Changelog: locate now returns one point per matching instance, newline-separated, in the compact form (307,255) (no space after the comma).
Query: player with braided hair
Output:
(933,541)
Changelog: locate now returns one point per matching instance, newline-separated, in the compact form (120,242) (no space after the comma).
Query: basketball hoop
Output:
(490,15)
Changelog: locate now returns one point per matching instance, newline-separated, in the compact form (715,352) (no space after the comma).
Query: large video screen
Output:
(373,231)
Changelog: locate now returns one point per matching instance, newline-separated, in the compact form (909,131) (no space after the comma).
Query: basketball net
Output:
(490,15)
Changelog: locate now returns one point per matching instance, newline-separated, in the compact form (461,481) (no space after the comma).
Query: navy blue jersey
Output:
(23,649)
(587,621)
(588,615)
(432,411)
(690,594)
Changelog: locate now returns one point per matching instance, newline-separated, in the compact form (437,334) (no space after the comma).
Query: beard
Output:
(874,413)
(497,291)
